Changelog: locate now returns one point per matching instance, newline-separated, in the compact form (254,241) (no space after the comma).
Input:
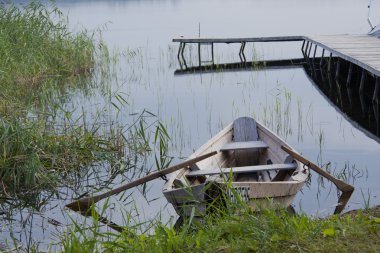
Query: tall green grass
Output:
(247,231)
(36,44)
(41,60)
(33,154)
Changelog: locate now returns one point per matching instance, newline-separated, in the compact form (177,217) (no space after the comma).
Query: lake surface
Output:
(196,106)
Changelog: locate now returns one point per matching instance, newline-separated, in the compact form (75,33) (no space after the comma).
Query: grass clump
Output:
(36,44)
(33,154)
(267,231)
(41,60)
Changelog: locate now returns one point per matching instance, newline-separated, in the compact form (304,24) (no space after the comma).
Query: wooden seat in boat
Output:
(243,169)
(244,145)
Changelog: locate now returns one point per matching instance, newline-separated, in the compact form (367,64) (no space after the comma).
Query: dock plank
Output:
(239,40)
(362,50)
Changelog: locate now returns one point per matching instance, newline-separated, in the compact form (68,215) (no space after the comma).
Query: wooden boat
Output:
(251,160)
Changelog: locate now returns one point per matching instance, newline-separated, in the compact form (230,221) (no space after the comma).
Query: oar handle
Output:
(82,205)
(343,186)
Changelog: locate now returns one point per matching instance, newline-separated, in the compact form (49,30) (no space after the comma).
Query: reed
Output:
(36,44)
(41,63)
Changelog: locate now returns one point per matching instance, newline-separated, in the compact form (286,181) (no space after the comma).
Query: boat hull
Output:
(266,189)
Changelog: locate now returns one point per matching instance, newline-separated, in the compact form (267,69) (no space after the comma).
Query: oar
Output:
(346,189)
(83,205)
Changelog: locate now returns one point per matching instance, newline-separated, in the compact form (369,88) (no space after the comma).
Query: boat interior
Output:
(248,151)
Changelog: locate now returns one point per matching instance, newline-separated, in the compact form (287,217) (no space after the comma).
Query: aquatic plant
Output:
(36,44)
(41,61)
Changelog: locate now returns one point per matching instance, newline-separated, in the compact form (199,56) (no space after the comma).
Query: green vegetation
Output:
(41,62)
(35,51)
(267,231)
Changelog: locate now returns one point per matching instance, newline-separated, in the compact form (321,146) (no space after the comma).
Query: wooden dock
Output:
(242,41)
(359,51)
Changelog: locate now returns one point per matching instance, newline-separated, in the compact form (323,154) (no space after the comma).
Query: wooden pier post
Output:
(323,54)
(212,52)
(179,49)
(307,47)
(315,51)
(330,63)
(303,44)
(308,54)
(199,54)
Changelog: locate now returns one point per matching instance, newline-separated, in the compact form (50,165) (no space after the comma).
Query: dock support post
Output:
(212,53)
(349,76)
(303,44)
(323,54)
(376,91)
(179,50)
(362,81)
(183,49)
(330,63)
(308,54)
(199,54)
(307,46)
(241,52)
(337,69)
(315,51)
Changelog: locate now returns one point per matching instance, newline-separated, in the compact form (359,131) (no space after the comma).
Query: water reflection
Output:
(239,66)
(342,92)
(357,107)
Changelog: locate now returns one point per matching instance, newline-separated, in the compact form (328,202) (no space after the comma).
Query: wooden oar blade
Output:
(345,188)
(342,202)
(82,206)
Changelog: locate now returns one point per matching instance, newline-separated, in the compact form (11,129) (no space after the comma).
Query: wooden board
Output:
(243,169)
(238,40)
(245,130)
(244,145)
(362,50)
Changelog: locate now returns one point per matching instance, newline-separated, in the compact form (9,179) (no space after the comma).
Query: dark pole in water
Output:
(330,63)
(323,54)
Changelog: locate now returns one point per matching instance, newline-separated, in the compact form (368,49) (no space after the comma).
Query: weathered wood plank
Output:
(362,50)
(359,49)
(238,40)
(245,129)
(243,169)
(246,145)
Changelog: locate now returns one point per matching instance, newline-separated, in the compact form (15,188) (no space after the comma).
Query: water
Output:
(196,106)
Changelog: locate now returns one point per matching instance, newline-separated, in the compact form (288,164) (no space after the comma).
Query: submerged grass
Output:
(34,155)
